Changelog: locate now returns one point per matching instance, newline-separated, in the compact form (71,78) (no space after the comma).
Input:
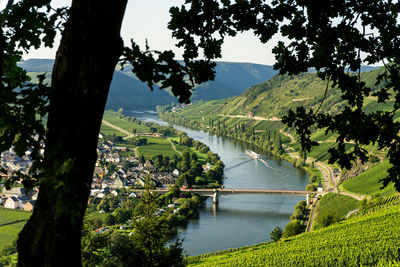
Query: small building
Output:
(116,192)
(121,148)
(15,202)
(176,172)
(29,205)
(15,191)
(320,187)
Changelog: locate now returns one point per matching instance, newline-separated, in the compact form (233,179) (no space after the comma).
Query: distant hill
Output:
(126,91)
(131,94)
(232,79)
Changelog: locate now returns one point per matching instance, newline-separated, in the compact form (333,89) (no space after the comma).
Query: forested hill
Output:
(274,97)
(131,94)
(232,79)
(126,91)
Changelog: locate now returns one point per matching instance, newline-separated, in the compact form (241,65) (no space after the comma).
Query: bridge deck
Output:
(225,191)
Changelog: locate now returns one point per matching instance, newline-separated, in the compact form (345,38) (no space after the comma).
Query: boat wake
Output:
(268,165)
(237,165)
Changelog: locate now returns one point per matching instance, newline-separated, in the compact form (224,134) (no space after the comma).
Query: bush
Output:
(292,228)
(313,178)
(311,187)
(276,234)
(110,219)
(97,222)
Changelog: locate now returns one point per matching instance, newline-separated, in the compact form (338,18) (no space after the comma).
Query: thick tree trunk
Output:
(85,62)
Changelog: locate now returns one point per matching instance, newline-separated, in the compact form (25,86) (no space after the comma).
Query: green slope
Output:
(369,240)
(369,182)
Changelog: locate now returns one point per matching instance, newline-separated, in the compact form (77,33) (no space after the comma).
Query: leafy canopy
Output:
(333,37)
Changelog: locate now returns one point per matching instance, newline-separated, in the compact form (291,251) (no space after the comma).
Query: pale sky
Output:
(148,19)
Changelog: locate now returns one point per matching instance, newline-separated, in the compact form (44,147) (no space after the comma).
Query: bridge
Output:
(215,193)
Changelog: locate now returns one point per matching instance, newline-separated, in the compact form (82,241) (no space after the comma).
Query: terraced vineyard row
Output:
(368,240)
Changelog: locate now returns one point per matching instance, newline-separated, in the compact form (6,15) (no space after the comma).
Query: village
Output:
(112,172)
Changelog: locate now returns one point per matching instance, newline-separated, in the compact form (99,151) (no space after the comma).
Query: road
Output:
(173,147)
(129,135)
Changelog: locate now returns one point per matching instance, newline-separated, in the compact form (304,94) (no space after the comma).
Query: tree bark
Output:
(89,50)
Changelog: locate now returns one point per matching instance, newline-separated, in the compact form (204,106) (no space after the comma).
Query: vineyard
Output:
(368,240)
(332,208)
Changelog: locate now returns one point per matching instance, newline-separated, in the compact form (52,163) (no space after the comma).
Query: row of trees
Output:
(269,141)
(294,227)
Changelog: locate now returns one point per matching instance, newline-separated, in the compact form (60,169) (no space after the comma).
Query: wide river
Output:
(239,220)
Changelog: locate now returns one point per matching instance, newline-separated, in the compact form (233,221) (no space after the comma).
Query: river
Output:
(239,220)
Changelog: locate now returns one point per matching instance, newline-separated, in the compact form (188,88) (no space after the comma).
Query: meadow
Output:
(156,146)
(11,223)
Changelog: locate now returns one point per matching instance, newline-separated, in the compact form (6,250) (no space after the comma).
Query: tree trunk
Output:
(90,48)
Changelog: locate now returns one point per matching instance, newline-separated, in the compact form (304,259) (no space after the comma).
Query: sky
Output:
(149,18)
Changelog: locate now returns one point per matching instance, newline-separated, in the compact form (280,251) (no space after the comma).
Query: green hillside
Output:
(370,240)
(282,92)
(11,223)
(368,183)
(260,108)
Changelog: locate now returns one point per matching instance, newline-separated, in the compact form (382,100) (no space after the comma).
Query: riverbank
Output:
(250,217)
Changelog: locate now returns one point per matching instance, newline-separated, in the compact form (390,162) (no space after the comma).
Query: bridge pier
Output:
(216,197)
(308,199)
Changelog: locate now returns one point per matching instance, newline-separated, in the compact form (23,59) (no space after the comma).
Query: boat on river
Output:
(252,154)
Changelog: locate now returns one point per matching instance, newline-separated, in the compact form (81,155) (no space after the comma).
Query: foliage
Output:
(276,234)
(311,187)
(329,39)
(145,246)
(292,228)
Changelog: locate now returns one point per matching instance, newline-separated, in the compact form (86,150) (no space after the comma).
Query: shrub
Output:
(311,187)
(276,234)
(292,228)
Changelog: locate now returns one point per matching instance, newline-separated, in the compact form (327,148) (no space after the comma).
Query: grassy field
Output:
(368,183)
(113,118)
(11,223)
(370,240)
(105,129)
(156,146)
(90,215)
(334,205)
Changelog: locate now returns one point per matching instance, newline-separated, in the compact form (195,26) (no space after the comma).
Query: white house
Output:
(15,202)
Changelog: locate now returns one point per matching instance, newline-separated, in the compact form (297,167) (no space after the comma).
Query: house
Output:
(15,191)
(29,205)
(133,195)
(121,148)
(141,181)
(94,192)
(35,193)
(116,192)
(99,172)
(176,172)
(15,202)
